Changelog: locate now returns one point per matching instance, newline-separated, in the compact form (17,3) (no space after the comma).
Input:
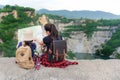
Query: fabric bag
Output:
(24,57)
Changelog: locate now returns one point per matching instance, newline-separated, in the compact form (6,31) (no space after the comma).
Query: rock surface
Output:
(85,70)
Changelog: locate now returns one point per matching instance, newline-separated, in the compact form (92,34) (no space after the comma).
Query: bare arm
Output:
(39,41)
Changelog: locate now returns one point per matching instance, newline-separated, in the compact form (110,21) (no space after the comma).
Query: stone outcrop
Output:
(15,14)
(43,20)
(79,42)
(85,70)
(3,14)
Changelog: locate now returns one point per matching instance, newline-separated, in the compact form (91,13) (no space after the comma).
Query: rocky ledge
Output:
(85,70)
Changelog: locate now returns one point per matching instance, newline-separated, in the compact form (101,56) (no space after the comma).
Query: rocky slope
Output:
(85,70)
(79,43)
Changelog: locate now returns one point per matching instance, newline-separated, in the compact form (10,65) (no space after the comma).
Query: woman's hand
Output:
(50,51)
(38,41)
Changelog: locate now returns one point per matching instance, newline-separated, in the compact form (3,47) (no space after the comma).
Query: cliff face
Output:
(85,70)
(79,43)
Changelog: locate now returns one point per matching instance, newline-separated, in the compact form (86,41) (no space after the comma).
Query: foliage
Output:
(113,22)
(9,25)
(23,18)
(105,52)
(110,46)
(70,54)
(60,18)
(114,42)
(9,48)
(34,19)
(89,28)
(9,8)
(118,56)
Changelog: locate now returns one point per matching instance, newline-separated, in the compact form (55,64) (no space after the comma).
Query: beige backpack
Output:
(24,57)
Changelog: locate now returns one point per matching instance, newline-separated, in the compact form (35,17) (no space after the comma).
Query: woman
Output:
(52,34)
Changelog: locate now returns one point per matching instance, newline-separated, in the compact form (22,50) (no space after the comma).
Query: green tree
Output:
(9,25)
(105,52)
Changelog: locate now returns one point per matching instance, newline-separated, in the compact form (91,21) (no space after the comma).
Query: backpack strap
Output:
(59,37)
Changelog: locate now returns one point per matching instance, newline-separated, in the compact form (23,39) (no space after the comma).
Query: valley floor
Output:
(85,70)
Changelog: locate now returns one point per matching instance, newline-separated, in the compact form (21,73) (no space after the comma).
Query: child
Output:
(28,41)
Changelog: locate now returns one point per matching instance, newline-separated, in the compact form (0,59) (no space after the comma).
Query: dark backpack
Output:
(58,48)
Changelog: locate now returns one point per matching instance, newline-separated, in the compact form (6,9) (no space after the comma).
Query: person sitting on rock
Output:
(28,41)
(52,33)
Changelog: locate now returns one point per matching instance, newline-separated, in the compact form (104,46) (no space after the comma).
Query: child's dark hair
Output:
(29,43)
(52,29)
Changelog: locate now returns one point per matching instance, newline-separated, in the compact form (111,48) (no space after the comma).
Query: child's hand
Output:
(37,40)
